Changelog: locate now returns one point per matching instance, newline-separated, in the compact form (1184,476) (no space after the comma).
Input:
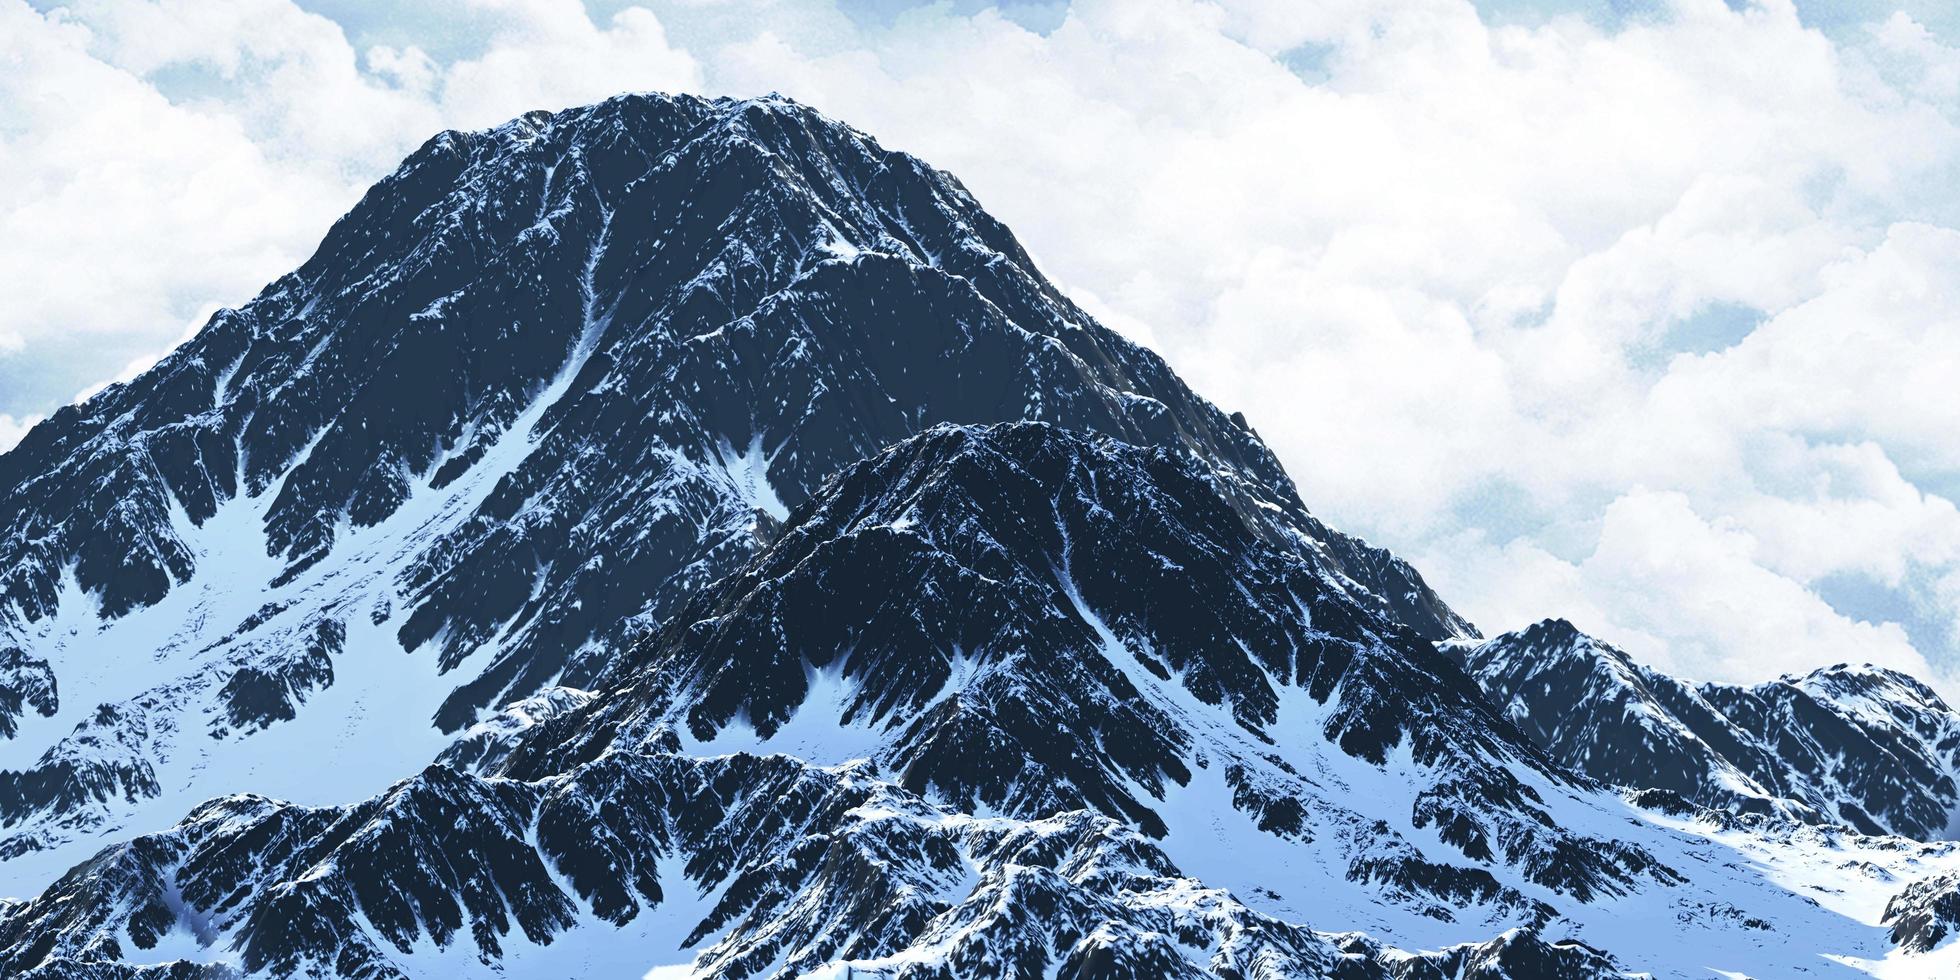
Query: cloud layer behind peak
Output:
(1649,320)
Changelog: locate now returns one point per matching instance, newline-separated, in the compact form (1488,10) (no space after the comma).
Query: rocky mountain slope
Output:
(1862,746)
(535,389)
(960,718)
(633,862)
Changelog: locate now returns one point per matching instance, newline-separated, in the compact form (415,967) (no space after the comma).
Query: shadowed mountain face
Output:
(1024,620)
(539,386)
(1862,746)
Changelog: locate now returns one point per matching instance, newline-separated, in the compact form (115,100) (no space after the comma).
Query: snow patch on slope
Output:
(817,732)
(747,471)
(375,712)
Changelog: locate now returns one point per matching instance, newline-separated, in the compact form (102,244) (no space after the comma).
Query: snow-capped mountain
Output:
(535,389)
(682,538)
(1866,747)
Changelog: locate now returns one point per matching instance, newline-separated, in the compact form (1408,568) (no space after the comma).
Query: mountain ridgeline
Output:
(681,537)
(1862,746)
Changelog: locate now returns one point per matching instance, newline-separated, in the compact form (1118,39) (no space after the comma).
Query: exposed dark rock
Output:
(25,683)
(1925,913)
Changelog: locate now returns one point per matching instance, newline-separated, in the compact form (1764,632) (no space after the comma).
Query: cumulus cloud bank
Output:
(1649,322)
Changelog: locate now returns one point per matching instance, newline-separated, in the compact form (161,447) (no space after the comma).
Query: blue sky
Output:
(1641,313)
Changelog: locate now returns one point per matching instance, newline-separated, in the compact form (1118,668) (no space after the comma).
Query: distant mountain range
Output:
(1868,748)
(680,537)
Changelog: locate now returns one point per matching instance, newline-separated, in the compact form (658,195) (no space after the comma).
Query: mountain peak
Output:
(537,388)
(1865,679)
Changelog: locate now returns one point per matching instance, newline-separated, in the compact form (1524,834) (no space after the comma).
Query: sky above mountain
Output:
(1644,314)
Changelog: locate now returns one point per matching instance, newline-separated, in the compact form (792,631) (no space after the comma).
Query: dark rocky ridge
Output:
(783,868)
(1870,748)
(1925,914)
(26,684)
(1119,633)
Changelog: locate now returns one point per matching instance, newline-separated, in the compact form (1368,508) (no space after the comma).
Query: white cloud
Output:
(1875,352)
(123,210)
(12,429)
(128,209)
(1453,272)
(1697,586)
(1685,593)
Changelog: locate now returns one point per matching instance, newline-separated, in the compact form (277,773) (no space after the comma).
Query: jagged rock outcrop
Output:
(1925,913)
(740,866)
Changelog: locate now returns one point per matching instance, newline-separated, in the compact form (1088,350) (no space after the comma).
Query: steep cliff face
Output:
(539,386)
